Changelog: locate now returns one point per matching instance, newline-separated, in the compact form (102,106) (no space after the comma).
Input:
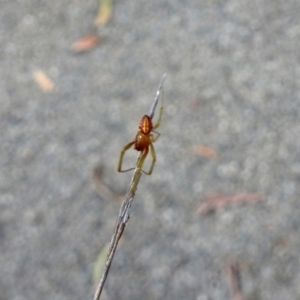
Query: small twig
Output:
(220,201)
(122,220)
(234,281)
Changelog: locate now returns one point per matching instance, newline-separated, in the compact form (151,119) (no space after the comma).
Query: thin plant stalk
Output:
(124,213)
(122,220)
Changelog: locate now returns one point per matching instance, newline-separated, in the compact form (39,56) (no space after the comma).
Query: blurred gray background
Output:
(232,85)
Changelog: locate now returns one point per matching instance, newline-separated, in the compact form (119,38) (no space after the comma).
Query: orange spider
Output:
(144,137)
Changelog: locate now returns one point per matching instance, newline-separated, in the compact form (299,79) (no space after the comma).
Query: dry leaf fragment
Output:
(86,43)
(104,12)
(217,202)
(44,82)
(205,151)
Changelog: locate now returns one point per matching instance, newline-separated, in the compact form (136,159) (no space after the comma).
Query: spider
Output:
(144,138)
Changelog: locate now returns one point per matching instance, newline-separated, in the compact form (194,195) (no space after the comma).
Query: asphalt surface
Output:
(232,85)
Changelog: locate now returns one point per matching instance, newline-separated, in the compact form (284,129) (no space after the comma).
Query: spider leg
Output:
(153,154)
(128,146)
(154,138)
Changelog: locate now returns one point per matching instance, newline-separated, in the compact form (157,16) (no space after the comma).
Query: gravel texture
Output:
(232,85)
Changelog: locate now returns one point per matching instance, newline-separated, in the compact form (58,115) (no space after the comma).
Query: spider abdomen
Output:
(142,141)
(145,125)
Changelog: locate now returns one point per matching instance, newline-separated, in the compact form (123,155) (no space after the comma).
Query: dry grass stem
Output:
(142,143)
(122,220)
